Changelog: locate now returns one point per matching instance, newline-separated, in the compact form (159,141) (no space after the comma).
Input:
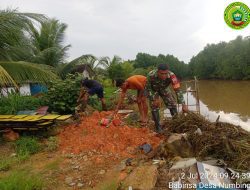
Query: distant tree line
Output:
(216,61)
(148,62)
(223,60)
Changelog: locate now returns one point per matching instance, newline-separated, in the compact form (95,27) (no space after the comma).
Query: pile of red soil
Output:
(90,135)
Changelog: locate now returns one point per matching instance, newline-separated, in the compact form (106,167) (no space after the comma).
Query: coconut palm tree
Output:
(14,27)
(113,67)
(106,62)
(47,43)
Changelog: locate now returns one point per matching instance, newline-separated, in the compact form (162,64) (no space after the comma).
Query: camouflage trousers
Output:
(167,96)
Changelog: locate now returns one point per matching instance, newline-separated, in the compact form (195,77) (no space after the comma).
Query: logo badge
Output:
(237,15)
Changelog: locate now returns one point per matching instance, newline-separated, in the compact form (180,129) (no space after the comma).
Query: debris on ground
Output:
(179,145)
(218,140)
(183,163)
(146,148)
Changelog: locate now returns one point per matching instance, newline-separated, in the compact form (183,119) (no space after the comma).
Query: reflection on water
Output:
(229,99)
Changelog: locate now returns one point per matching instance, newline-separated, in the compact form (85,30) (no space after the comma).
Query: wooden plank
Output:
(50,117)
(30,118)
(45,123)
(19,116)
(6,116)
(25,128)
(19,128)
(64,117)
(20,120)
(33,129)
(6,120)
(33,120)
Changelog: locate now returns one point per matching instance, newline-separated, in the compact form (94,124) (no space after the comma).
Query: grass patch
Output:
(16,102)
(110,186)
(52,144)
(21,180)
(26,146)
(5,164)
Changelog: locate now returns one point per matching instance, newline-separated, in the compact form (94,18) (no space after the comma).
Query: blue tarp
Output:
(37,88)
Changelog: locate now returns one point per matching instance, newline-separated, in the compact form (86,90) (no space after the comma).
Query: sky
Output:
(125,27)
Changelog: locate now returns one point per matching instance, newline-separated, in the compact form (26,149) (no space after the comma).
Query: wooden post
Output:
(197,95)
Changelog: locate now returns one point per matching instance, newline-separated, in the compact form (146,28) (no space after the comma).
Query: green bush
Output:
(15,102)
(26,146)
(94,102)
(107,83)
(21,180)
(62,94)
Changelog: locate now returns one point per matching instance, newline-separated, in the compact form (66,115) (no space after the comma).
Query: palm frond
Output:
(50,56)
(116,60)
(104,61)
(84,59)
(13,29)
(28,72)
(47,43)
(5,79)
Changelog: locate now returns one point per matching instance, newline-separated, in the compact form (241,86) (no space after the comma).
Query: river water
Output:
(229,99)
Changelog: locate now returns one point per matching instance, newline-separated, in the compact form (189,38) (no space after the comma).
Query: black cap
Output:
(84,80)
(119,82)
(163,66)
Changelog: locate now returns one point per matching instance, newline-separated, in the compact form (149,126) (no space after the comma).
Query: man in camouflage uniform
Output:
(158,85)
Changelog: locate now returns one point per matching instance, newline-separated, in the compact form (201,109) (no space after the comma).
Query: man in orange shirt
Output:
(136,82)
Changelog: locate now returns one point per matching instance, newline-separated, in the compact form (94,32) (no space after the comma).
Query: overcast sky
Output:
(126,27)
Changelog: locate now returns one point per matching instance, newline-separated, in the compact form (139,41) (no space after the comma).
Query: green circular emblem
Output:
(237,15)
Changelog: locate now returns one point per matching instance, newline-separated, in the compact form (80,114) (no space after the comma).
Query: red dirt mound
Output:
(90,135)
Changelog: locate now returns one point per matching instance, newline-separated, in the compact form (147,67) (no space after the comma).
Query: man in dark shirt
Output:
(93,87)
